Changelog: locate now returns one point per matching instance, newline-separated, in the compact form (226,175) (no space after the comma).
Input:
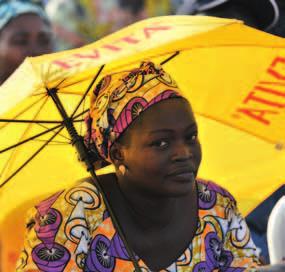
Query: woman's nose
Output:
(182,152)
(34,50)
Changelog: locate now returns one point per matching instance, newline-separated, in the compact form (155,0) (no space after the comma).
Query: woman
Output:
(24,31)
(140,122)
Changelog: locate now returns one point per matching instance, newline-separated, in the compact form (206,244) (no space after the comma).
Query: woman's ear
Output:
(117,154)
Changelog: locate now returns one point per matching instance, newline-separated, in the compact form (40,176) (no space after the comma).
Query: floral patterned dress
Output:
(72,231)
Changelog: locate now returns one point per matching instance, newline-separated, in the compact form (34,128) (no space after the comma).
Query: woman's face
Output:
(162,154)
(26,35)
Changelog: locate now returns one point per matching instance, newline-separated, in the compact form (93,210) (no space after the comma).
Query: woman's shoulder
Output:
(65,222)
(210,194)
(79,201)
(83,191)
(223,229)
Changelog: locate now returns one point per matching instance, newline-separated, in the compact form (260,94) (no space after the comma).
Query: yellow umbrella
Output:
(233,75)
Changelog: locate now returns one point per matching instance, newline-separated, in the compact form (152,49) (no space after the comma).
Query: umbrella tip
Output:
(279,146)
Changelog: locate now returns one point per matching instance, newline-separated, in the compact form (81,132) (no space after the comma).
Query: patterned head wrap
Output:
(119,99)
(10,9)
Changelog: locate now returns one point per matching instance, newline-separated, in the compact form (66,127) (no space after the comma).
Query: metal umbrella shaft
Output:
(78,142)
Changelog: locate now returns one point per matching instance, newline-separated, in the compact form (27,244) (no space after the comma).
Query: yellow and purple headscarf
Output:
(119,99)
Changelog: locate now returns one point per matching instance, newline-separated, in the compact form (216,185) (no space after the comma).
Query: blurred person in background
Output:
(260,14)
(83,21)
(263,15)
(25,30)
(70,22)
(128,12)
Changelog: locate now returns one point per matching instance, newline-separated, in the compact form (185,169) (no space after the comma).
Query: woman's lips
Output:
(182,176)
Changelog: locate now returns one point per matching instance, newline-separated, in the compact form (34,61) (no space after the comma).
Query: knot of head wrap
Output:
(118,99)
(10,9)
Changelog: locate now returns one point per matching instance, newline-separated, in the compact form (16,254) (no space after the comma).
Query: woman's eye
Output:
(160,144)
(192,137)
(45,40)
(20,42)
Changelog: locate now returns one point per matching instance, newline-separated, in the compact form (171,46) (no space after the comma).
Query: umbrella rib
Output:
(170,58)
(81,124)
(88,89)
(63,136)
(79,115)
(60,83)
(30,121)
(23,136)
(29,139)
(53,142)
(29,160)
(24,110)
(55,87)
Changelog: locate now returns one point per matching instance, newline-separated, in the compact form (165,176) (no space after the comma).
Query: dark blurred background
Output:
(77,22)
(280,27)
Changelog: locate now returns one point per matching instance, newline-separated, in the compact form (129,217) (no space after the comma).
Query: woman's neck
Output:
(152,211)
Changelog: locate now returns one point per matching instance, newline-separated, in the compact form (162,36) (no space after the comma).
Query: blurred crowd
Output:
(64,24)
(77,22)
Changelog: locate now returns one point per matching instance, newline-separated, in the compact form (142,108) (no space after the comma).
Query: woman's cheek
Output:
(15,56)
(156,162)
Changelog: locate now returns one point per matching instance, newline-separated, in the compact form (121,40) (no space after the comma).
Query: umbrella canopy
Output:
(233,75)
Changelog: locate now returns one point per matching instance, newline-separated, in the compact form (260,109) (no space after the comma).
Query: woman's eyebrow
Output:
(21,33)
(161,131)
(194,125)
(166,130)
